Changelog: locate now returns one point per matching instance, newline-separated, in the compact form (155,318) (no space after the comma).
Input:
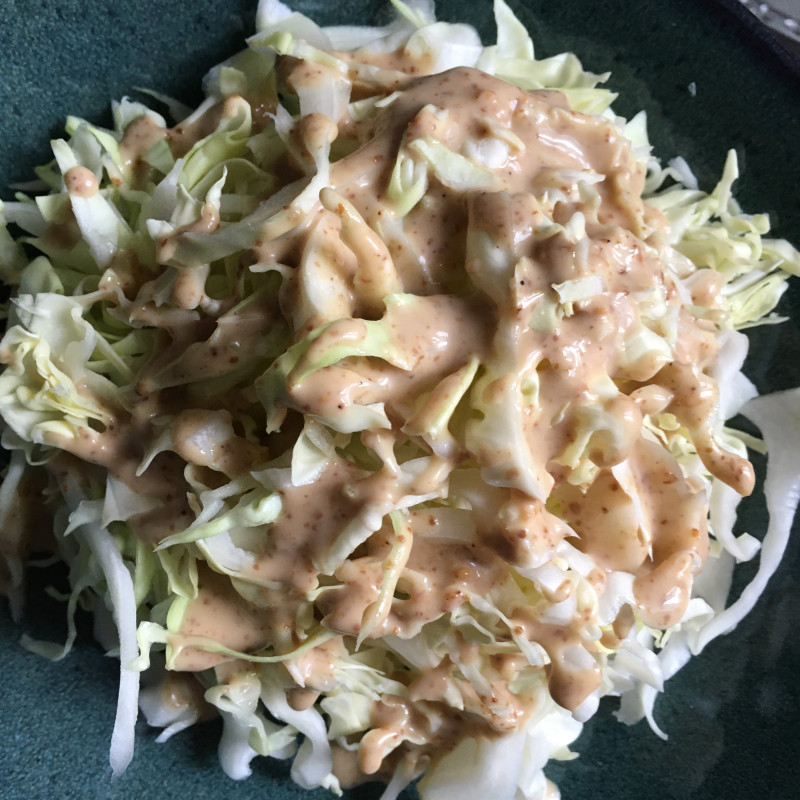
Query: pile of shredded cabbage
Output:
(77,346)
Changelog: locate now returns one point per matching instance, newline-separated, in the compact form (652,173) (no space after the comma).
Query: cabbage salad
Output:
(377,405)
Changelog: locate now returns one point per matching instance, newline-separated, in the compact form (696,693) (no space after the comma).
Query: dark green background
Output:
(732,714)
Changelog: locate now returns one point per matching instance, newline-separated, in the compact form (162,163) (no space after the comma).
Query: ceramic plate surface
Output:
(732,714)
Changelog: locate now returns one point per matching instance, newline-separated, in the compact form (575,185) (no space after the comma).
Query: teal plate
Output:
(732,713)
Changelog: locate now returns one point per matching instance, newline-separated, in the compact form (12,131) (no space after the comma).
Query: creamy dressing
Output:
(142,133)
(223,616)
(430,253)
(81,182)
(439,334)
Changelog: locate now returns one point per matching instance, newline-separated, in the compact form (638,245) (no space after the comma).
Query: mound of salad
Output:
(378,404)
